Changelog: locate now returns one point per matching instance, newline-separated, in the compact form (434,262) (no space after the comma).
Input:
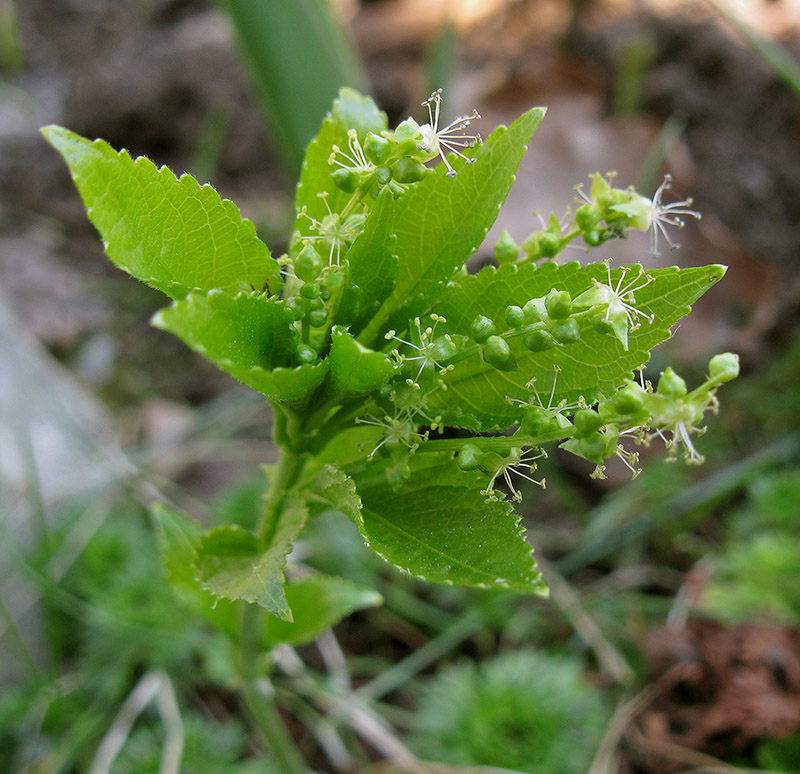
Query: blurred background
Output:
(671,640)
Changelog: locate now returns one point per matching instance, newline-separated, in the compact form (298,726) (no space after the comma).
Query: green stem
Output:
(261,704)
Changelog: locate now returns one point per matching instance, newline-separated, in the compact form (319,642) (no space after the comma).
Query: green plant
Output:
(519,711)
(369,337)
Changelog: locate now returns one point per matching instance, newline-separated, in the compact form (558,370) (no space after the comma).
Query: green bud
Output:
(515,317)
(558,304)
(549,245)
(586,422)
(310,290)
(538,422)
(566,331)
(586,217)
(539,341)
(597,448)
(376,148)
(724,367)
(468,457)
(317,317)
(347,180)
(628,400)
(506,250)
(383,175)
(530,245)
(601,325)
(671,385)
(305,355)
(296,306)
(408,170)
(308,263)
(496,352)
(482,327)
(534,311)
(594,238)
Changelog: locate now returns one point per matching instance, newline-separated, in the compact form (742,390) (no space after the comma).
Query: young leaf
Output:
(339,490)
(437,527)
(595,365)
(250,336)
(171,233)
(317,603)
(443,220)
(231,562)
(372,266)
(354,369)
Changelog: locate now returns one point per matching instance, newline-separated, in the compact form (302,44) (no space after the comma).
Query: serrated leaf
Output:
(596,365)
(441,221)
(437,527)
(317,603)
(372,266)
(339,490)
(354,369)
(358,111)
(172,233)
(250,336)
(178,537)
(231,562)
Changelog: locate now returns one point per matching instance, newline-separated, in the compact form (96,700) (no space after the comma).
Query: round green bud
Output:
(558,304)
(305,355)
(506,250)
(586,422)
(468,457)
(671,385)
(347,180)
(566,331)
(549,245)
(383,175)
(628,400)
(534,311)
(538,422)
(496,352)
(482,327)
(308,263)
(530,245)
(310,290)
(317,317)
(586,217)
(724,367)
(408,170)
(515,317)
(539,341)
(296,306)
(376,148)
(324,292)
(596,448)
(594,237)
(601,325)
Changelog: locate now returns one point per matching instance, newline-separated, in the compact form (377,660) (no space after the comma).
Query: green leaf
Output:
(596,365)
(372,266)
(178,537)
(250,336)
(317,603)
(171,233)
(441,221)
(231,562)
(339,491)
(354,369)
(437,526)
(317,194)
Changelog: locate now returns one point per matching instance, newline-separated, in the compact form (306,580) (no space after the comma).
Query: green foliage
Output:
(369,337)
(519,711)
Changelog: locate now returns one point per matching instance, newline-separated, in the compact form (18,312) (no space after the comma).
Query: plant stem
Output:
(261,703)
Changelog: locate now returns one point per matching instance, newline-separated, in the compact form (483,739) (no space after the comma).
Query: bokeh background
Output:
(670,642)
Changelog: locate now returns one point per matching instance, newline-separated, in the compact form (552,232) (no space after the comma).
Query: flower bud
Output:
(539,341)
(506,250)
(628,400)
(549,245)
(514,316)
(317,317)
(724,367)
(593,238)
(468,457)
(383,175)
(558,304)
(308,263)
(296,307)
(534,311)
(496,352)
(671,385)
(347,180)
(586,422)
(408,170)
(587,217)
(566,331)
(482,327)
(305,355)
(310,290)
(538,422)
(376,148)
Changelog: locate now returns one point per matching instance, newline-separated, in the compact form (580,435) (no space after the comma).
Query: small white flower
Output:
(355,159)
(438,141)
(429,348)
(398,429)
(516,462)
(335,230)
